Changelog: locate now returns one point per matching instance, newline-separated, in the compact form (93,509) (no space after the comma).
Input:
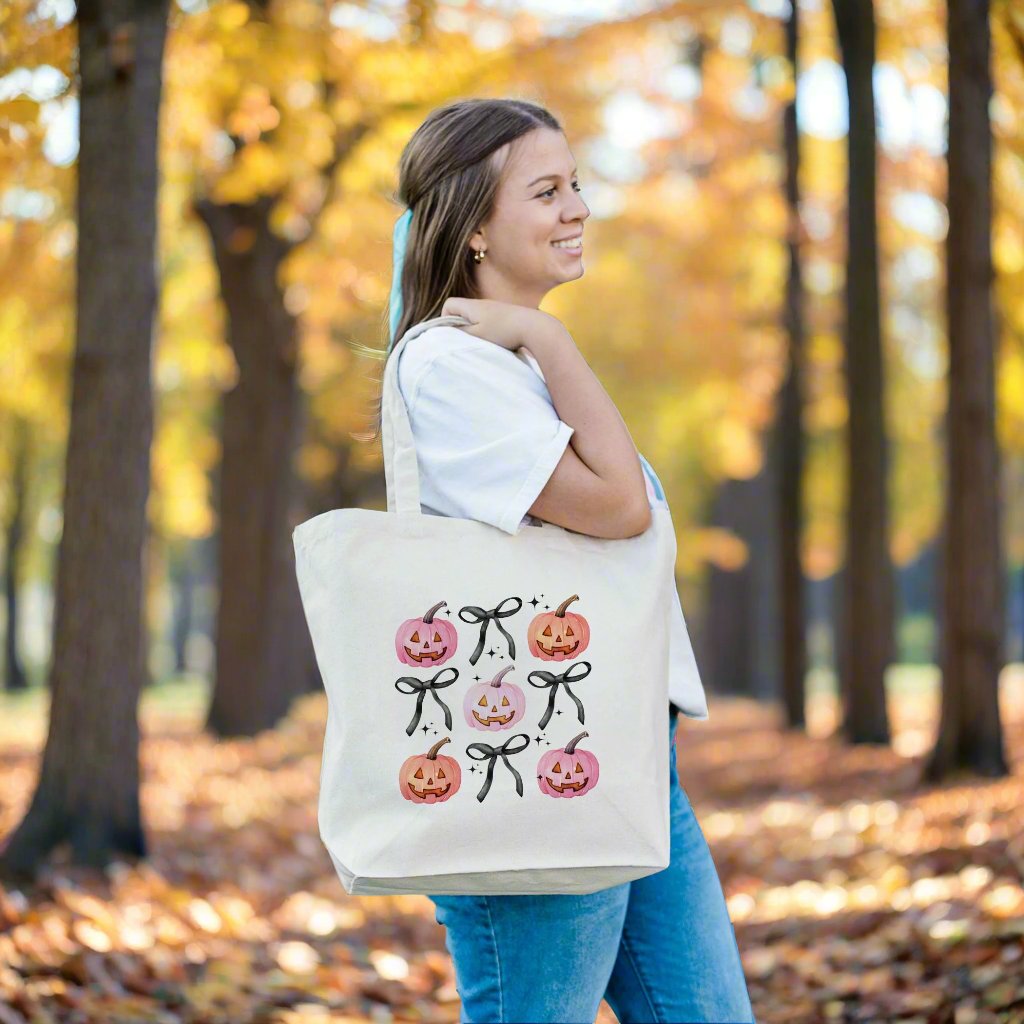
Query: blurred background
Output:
(804,290)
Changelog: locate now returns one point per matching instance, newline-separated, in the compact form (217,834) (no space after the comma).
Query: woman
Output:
(495,221)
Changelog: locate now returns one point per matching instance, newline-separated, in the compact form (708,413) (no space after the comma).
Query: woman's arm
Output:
(598,486)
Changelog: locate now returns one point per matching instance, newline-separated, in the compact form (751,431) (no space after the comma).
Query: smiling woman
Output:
(513,437)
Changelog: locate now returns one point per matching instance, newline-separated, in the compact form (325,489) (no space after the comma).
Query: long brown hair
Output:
(448,175)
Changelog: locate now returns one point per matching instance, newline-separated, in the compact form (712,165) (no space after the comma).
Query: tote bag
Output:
(496,702)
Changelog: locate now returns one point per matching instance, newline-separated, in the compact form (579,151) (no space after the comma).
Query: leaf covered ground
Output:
(857,894)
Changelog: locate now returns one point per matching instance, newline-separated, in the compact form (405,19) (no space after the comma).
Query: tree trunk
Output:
(259,614)
(88,789)
(789,433)
(739,653)
(970,733)
(14,670)
(761,532)
(184,578)
(728,609)
(867,599)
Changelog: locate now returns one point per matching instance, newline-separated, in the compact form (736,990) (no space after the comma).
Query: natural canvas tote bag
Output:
(496,703)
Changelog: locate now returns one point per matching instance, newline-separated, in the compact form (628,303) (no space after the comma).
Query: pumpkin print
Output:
(558,635)
(571,771)
(494,705)
(426,641)
(430,778)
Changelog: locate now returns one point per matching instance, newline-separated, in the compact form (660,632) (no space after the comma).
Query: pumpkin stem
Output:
(496,681)
(432,752)
(429,617)
(560,610)
(570,747)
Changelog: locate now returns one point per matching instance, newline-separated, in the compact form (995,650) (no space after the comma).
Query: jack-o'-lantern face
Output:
(429,783)
(558,635)
(427,641)
(502,715)
(558,641)
(426,648)
(567,773)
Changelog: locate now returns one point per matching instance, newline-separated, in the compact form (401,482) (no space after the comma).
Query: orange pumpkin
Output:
(558,635)
(430,778)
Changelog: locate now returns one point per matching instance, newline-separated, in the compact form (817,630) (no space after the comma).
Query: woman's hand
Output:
(502,323)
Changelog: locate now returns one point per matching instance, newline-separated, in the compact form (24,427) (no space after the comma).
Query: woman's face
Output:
(538,203)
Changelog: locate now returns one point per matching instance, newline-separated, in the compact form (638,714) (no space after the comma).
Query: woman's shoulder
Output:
(452,350)
(428,345)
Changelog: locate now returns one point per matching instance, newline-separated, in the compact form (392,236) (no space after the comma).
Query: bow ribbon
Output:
(421,688)
(491,755)
(554,680)
(484,617)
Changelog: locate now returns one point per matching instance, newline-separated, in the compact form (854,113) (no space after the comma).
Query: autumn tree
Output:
(971,653)
(14,670)
(261,638)
(789,431)
(88,788)
(865,621)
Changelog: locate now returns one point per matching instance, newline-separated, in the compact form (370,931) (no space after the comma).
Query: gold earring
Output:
(479,254)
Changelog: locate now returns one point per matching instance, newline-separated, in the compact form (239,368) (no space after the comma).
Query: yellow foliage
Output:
(722,548)
(231,16)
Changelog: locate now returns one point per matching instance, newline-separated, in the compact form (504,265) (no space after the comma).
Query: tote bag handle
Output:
(401,468)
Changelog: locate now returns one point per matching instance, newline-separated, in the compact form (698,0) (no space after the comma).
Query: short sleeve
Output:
(487,435)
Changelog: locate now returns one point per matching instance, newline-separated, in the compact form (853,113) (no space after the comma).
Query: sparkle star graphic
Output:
(426,728)
(534,602)
(538,740)
(476,678)
(492,652)
(558,712)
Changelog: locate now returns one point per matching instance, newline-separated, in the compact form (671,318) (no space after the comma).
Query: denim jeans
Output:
(660,948)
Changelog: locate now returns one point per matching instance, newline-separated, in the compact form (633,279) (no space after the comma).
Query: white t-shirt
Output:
(488,438)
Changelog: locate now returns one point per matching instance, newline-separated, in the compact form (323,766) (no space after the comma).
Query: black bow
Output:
(483,616)
(421,688)
(554,680)
(491,755)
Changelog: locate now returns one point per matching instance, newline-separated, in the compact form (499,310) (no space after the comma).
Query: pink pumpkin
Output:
(571,771)
(426,641)
(430,778)
(494,705)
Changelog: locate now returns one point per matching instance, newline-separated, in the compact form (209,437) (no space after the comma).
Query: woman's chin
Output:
(570,273)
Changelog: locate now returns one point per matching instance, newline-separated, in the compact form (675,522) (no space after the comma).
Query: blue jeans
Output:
(660,948)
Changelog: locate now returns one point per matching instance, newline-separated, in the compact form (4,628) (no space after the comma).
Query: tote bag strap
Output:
(401,469)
